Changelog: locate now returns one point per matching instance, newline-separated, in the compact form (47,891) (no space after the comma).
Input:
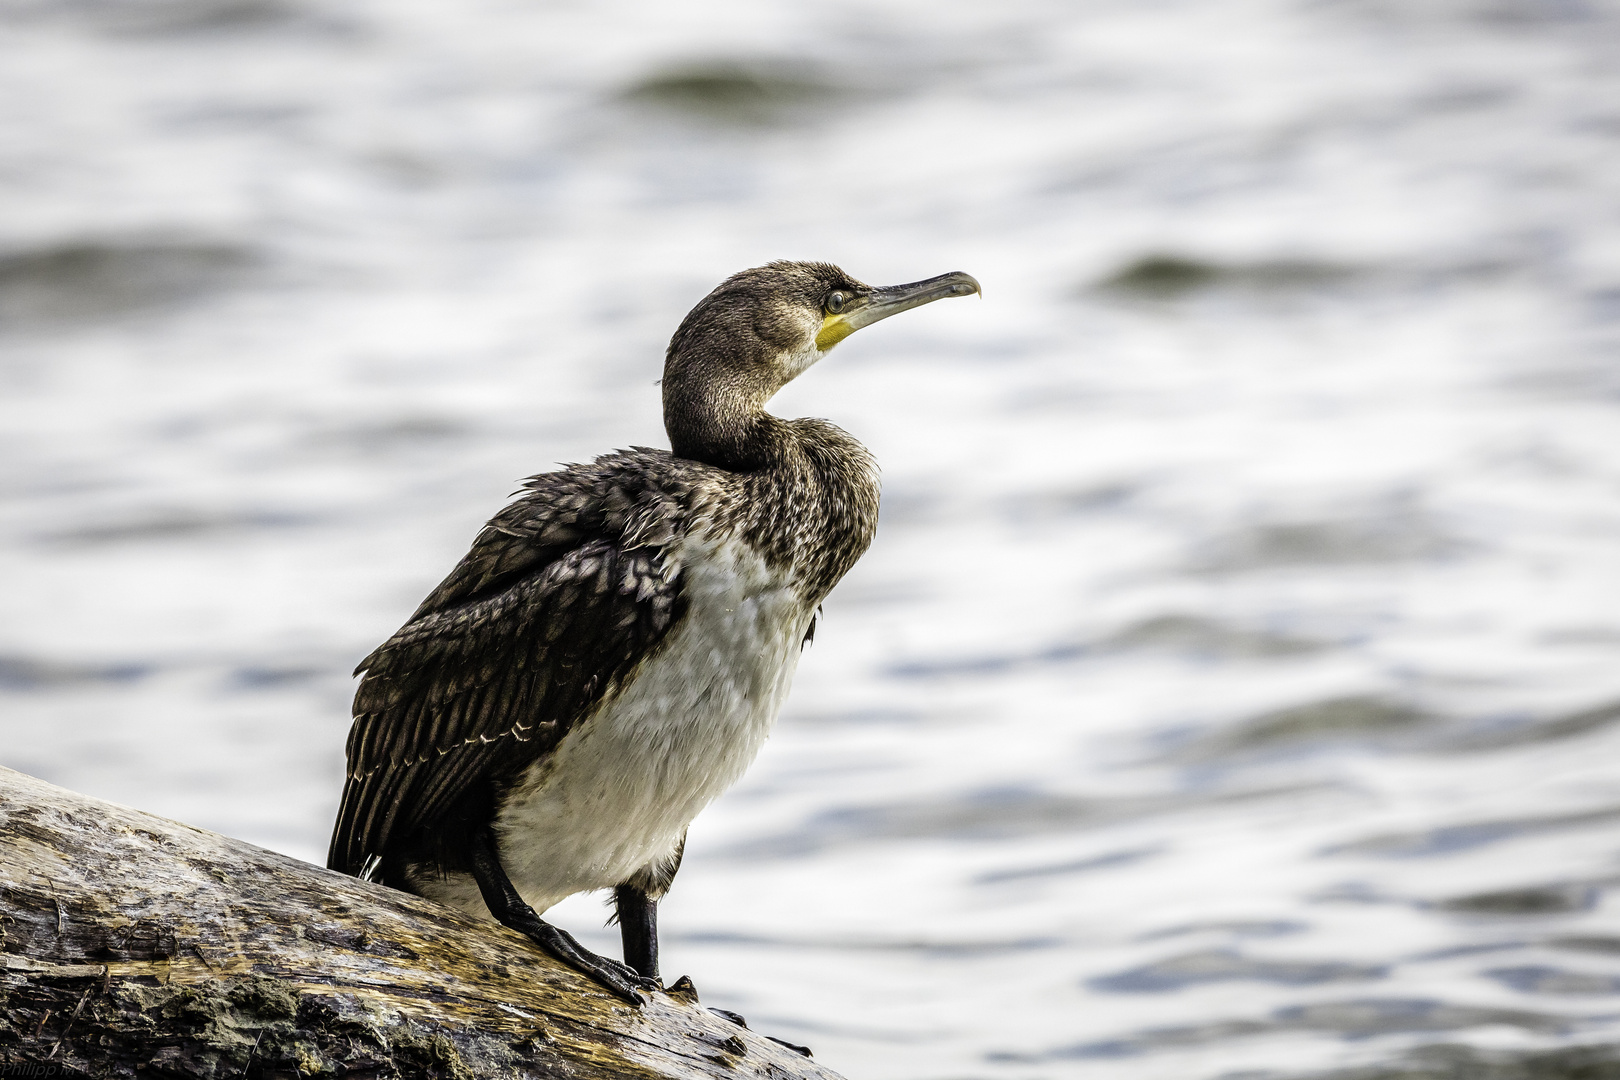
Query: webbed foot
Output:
(511,910)
(619,978)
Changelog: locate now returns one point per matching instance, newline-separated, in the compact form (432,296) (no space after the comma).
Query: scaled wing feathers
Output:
(562,595)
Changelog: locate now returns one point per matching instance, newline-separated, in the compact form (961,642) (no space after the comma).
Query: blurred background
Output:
(1233,689)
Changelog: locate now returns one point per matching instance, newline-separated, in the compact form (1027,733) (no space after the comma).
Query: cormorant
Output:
(613,651)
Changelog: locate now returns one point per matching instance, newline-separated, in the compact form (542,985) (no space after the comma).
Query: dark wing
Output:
(560,597)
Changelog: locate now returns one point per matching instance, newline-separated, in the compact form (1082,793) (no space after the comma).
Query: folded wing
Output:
(560,598)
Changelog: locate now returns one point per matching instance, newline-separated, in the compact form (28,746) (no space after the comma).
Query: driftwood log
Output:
(131,945)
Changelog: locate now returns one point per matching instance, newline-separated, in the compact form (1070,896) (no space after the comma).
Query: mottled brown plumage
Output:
(569,601)
(564,592)
(560,596)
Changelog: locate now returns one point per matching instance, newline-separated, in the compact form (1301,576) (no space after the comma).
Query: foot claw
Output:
(630,975)
(727,1014)
(624,981)
(619,979)
(795,1047)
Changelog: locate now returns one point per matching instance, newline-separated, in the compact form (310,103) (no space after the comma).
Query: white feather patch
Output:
(618,792)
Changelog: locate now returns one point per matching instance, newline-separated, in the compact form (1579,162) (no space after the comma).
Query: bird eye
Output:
(836,302)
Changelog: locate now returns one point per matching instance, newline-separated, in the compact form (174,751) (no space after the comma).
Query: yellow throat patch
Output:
(834,328)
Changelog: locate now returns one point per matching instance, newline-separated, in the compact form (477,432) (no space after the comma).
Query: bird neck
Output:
(726,425)
(815,511)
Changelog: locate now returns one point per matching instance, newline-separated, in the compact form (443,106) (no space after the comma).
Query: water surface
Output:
(1234,686)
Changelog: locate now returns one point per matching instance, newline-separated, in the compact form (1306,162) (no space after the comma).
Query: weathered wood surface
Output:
(131,945)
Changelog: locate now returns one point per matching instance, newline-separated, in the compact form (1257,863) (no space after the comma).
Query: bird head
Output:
(758,331)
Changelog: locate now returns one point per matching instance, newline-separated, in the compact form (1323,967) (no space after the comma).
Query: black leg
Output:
(510,910)
(638,925)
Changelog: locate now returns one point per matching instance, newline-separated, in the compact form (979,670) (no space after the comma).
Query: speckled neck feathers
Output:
(801,492)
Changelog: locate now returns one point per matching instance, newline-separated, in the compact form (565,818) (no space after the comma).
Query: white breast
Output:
(620,789)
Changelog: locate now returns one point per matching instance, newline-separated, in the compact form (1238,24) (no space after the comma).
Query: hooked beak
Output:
(891,300)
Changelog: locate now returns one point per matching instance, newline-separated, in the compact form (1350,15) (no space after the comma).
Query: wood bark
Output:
(131,945)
